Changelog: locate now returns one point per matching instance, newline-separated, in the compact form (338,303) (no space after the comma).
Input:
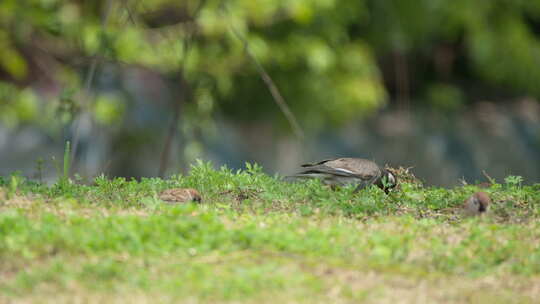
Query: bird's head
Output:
(482,201)
(478,203)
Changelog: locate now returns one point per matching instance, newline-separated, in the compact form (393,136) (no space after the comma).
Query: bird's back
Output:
(357,166)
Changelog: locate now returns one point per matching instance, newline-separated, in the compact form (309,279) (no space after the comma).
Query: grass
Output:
(257,239)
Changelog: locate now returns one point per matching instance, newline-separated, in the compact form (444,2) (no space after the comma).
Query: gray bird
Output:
(476,204)
(347,171)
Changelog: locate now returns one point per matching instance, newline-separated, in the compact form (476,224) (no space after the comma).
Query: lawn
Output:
(257,239)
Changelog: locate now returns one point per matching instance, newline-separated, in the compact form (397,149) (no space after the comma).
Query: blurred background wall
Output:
(143,88)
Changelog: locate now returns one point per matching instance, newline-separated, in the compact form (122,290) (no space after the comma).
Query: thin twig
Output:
(489,178)
(276,95)
(86,96)
(129,12)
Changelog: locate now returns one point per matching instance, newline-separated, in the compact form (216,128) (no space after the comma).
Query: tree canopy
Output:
(333,61)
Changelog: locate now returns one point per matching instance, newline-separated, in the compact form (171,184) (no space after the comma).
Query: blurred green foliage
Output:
(328,57)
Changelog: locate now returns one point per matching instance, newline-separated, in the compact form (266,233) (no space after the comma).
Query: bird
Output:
(477,204)
(349,171)
(180,195)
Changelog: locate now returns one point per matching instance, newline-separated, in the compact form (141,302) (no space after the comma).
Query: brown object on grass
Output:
(180,195)
(477,204)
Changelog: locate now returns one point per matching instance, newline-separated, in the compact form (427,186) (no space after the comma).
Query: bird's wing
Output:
(349,167)
(318,169)
(318,163)
(363,168)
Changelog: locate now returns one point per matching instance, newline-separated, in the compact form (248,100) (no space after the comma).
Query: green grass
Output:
(257,239)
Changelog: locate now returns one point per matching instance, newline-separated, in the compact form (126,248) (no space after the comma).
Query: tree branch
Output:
(276,95)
